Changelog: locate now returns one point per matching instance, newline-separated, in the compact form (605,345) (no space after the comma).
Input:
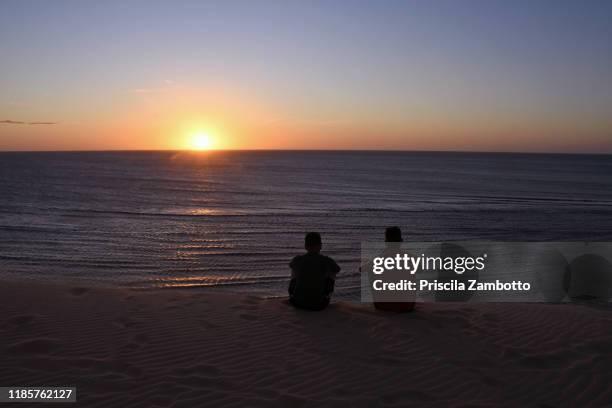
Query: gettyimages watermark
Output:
(486,271)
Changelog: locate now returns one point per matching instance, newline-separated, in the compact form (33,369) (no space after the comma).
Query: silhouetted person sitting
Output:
(394,234)
(312,276)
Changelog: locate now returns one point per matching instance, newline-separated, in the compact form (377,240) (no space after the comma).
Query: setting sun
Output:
(201,141)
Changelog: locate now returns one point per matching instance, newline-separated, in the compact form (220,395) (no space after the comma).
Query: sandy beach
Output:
(177,348)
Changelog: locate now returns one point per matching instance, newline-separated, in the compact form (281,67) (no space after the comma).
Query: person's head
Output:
(312,242)
(393,234)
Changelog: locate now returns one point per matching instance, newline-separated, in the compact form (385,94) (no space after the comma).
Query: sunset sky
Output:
(413,75)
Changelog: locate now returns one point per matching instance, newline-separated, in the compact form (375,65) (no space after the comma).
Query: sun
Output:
(201,141)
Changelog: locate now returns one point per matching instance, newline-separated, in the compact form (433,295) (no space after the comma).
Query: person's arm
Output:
(293,265)
(291,287)
(292,282)
(332,268)
(335,267)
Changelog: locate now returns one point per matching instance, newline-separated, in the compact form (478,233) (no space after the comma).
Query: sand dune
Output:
(185,349)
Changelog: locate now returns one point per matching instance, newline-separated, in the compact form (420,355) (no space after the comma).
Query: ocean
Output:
(233,220)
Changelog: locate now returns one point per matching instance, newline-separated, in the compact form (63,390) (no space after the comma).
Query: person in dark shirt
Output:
(312,276)
(393,235)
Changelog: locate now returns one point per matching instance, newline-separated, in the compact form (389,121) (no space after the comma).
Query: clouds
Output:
(18,122)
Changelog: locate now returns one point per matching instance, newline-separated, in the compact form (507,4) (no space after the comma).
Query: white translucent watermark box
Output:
(481,271)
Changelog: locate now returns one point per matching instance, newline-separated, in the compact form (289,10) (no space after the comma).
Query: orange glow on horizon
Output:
(197,118)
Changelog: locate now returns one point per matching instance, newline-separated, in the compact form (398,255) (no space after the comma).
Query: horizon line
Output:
(306,150)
